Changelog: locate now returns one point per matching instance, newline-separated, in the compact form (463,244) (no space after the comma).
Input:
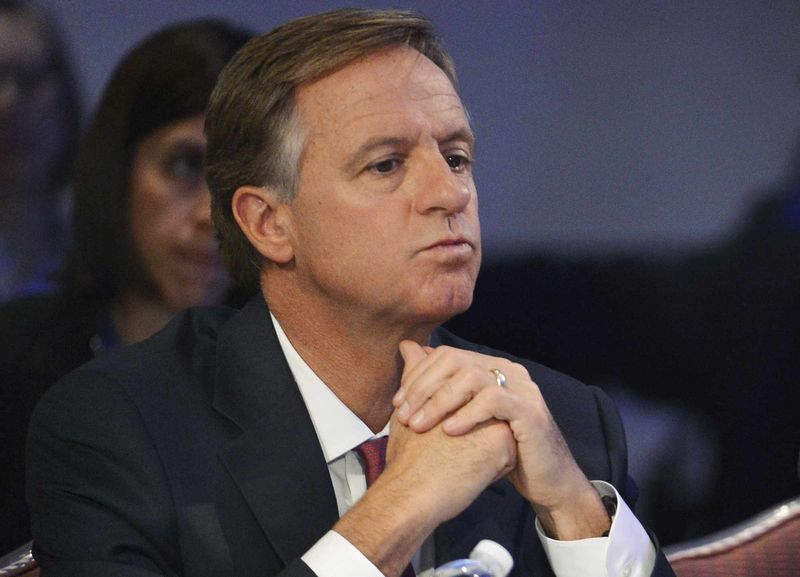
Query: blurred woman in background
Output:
(144,247)
(39,130)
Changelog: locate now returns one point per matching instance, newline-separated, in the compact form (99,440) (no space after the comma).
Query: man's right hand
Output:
(429,478)
(452,474)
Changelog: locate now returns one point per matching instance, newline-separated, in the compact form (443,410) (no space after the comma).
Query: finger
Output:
(445,381)
(490,403)
(423,360)
(423,380)
(452,393)
(413,354)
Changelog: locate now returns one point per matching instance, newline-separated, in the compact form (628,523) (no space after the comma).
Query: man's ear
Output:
(264,220)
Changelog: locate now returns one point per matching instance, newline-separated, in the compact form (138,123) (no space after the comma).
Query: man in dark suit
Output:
(339,162)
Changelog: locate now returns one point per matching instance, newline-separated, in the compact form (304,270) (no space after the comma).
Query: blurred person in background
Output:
(144,247)
(39,130)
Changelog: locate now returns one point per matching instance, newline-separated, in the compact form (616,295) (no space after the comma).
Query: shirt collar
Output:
(338,429)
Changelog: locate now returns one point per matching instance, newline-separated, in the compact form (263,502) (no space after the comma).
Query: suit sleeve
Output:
(97,492)
(618,458)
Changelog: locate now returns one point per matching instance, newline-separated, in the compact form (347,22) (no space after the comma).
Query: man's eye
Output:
(457,162)
(385,166)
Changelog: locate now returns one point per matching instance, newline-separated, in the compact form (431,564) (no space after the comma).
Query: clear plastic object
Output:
(488,559)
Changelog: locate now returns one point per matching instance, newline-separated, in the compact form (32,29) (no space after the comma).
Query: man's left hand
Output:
(460,388)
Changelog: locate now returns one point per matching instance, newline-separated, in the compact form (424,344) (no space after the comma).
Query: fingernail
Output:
(399,396)
(449,425)
(417,419)
(402,412)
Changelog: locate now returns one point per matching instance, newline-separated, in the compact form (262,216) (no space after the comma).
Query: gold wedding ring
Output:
(499,377)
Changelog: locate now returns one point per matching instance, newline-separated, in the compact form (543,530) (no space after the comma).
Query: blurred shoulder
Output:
(162,375)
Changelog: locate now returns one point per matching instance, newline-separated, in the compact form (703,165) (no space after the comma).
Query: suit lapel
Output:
(277,462)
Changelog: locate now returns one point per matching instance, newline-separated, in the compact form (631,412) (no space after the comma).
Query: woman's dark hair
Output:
(166,78)
(69,104)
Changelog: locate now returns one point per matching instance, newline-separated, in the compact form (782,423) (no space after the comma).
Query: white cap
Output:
(494,556)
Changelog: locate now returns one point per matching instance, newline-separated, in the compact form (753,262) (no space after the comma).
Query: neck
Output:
(356,357)
(137,317)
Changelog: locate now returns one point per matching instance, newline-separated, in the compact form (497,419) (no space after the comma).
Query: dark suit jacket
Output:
(42,338)
(193,454)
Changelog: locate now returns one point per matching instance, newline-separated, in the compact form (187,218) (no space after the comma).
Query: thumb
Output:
(412,353)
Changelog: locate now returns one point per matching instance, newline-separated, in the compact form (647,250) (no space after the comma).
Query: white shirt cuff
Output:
(626,552)
(335,556)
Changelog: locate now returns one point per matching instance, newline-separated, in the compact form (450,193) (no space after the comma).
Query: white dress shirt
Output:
(626,552)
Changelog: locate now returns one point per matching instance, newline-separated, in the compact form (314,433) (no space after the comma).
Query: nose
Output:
(201,210)
(441,188)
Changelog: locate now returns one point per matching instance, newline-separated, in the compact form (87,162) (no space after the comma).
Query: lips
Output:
(450,242)
(454,250)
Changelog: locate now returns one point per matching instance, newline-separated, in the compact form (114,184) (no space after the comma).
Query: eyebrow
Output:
(373,143)
(180,145)
(185,143)
(460,134)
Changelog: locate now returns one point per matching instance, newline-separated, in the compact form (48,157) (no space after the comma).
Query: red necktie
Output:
(373,453)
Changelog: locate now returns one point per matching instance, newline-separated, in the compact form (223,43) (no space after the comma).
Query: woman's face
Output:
(170,216)
(32,124)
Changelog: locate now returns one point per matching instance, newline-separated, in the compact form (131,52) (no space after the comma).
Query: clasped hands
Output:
(454,393)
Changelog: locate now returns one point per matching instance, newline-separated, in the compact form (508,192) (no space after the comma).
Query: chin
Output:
(204,295)
(444,307)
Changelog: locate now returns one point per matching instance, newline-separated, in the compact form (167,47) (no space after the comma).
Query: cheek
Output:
(472,209)
(475,223)
(151,217)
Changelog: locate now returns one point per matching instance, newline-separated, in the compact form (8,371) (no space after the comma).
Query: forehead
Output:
(387,90)
(185,131)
